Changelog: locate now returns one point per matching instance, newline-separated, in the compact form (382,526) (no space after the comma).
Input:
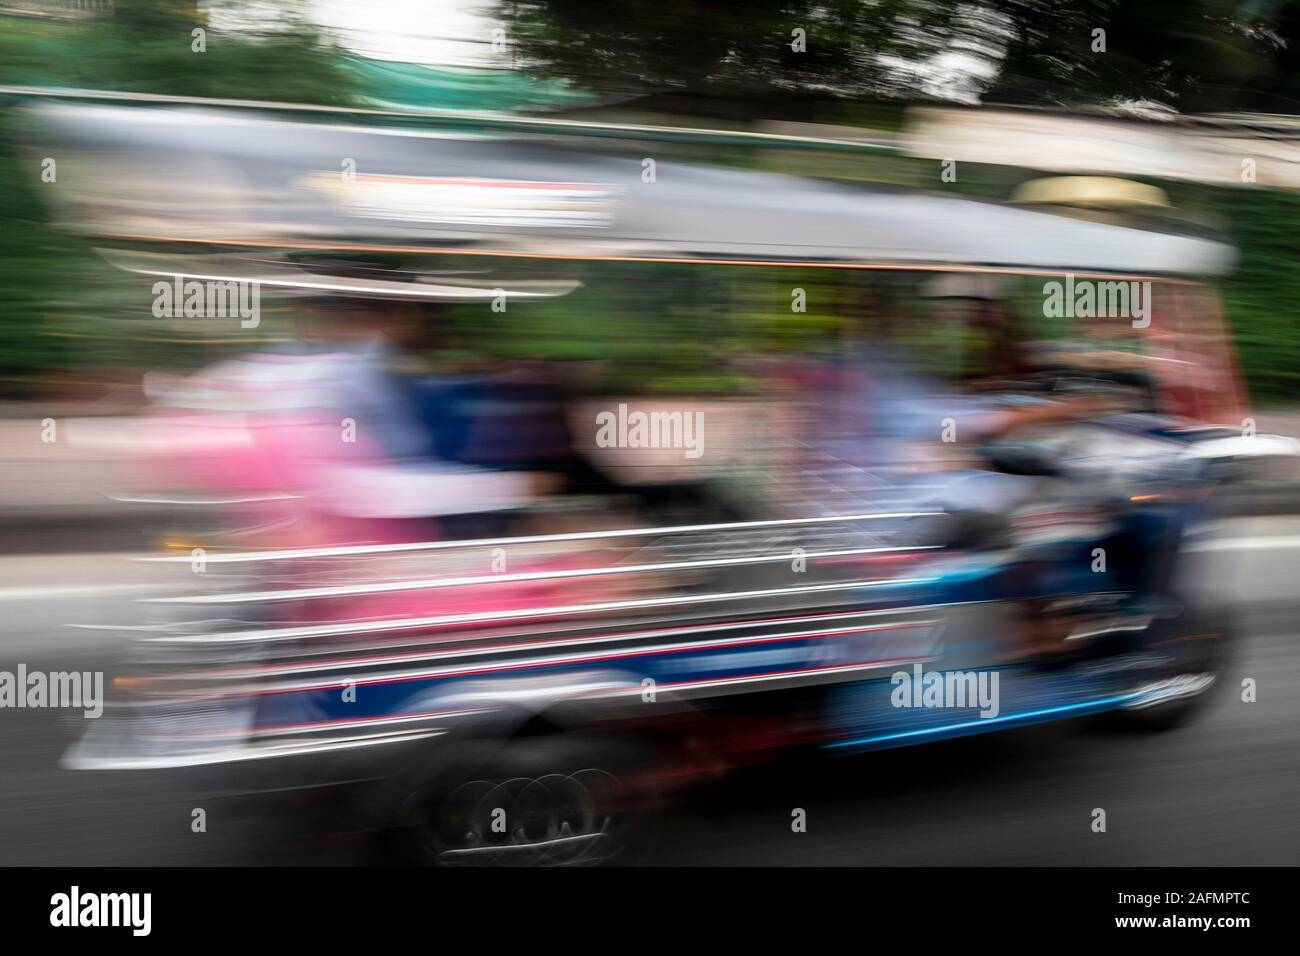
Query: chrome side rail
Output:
(304,632)
(424,584)
(245,557)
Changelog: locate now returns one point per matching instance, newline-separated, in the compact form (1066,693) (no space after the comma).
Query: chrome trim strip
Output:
(79,759)
(303,632)
(529,663)
(238,557)
(575,640)
(422,584)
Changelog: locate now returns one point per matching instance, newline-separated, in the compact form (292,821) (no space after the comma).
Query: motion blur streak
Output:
(501,448)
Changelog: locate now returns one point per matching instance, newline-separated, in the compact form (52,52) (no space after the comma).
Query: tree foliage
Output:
(724,46)
(1189,55)
(148,46)
(143,46)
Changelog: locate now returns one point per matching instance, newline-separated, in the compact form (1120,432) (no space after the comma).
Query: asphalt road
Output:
(1221,791)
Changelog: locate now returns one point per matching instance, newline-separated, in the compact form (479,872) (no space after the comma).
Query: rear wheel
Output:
(547,800)
(1198,642)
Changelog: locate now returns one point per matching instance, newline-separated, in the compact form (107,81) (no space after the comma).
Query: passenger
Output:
(375,382)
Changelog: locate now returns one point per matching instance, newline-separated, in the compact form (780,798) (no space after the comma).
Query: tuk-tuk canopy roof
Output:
(242,177)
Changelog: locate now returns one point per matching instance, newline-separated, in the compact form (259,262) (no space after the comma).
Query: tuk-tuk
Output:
(526,691)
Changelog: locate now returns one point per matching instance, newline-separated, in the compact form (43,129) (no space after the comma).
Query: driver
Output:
(993,399)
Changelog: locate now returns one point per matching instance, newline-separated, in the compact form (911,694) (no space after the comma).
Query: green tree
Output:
(143,46)
(1189,55)
(728,45)
(149,46)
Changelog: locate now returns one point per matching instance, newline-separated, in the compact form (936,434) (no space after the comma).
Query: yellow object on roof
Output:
(1098,191)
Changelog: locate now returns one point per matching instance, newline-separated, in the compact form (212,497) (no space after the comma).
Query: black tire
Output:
(1201,641)
(541,800)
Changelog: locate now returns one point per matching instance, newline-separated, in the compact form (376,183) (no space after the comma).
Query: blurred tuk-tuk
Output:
(569,666)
